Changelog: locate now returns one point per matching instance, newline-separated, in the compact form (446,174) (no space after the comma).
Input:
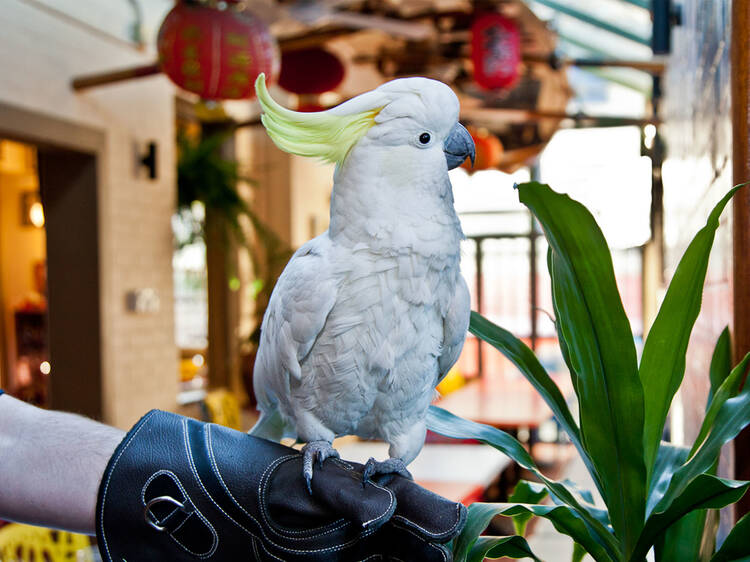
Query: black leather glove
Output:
(177,489)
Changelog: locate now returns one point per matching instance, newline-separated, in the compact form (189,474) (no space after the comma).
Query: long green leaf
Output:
(721,363)
(668,460)
(602,351)
(443,422)
(478,516)
(499,547)
(526,492)
(683,539)
(526,362)
(663,361)
(731,417)
(578,553)
(736,546)
(560,335)
(703,492)
(724,392)
(564,519)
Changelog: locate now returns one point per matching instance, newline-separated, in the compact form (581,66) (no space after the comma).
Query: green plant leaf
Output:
(668,460)
(602,352)
(732,417)
(563,518)
(663,361)
(725,418)
(683,539)
(498,547)
(526,492)
(478,516)
(526,362)
(726,390)
(578,552)
(443,422)
(735,546)
(560,335)
(602,515)
(703,492)
(721,363)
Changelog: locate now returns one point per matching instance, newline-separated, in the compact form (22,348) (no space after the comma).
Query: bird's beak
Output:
(458,146)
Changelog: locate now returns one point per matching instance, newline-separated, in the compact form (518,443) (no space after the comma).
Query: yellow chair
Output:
(223,408)
(452,381)
(25,543)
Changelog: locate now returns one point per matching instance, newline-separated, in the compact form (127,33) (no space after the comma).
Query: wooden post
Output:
(740,66)
(221,261)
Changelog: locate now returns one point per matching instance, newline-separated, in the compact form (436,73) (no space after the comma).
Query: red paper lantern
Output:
(495,51)
(310,71)
(215,53)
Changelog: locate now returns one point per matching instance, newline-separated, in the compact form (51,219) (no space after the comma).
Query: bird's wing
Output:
(301,301)
(455,324)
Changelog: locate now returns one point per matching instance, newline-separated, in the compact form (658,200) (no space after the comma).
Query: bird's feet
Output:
(320,450)
(388,466)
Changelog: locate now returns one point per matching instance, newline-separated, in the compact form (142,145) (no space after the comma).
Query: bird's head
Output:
(413,119)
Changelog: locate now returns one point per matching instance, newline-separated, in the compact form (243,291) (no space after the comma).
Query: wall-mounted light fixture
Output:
(32,212)
(147,160)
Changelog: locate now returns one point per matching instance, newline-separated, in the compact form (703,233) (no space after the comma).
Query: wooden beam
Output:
(112,76)
(740,84)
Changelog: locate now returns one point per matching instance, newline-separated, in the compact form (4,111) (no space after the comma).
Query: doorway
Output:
(50,339)
(23,275)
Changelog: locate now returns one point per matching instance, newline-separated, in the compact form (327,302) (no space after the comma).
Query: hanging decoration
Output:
(495,51)
(489,150)
(310,71)
(216,53)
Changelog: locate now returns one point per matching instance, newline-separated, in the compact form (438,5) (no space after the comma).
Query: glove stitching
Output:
(262,491)
(186,498)
(295,551)
(432,533)
(155,475)
(339,523)
(109,478)
(428,543)
(263,546)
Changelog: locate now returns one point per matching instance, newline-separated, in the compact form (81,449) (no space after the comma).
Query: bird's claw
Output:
(320,450)
(388,466)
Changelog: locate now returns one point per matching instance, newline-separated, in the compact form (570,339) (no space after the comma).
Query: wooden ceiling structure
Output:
(379,40)
(386,39)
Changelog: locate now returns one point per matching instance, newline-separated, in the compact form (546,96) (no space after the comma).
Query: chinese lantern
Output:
(215,53)
(489,150)
(495,51)
(310,71)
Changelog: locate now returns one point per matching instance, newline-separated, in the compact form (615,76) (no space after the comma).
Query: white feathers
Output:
(368,317)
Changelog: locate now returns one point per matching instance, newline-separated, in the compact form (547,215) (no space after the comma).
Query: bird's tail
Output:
(269,426)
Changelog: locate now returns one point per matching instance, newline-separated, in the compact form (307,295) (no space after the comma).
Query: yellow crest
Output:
(328,135)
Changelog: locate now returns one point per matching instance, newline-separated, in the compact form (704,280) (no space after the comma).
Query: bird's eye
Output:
(424,138)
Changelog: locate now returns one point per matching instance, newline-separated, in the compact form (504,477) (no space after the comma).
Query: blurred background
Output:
(145,215)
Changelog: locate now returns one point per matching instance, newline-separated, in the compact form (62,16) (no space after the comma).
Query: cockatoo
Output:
(369,316)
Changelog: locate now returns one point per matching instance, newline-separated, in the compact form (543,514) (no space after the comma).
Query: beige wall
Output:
(40,52)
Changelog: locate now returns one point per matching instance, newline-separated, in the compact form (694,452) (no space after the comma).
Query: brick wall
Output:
(697,173)
(40,51)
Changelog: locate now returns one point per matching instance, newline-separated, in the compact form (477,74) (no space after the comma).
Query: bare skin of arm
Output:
(51,464)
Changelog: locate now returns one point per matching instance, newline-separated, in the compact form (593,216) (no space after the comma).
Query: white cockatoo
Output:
(368,317)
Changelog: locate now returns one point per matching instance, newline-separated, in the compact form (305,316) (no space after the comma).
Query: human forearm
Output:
(51,464)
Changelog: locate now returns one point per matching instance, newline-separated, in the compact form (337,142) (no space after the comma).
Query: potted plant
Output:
(657,495)
(205,176)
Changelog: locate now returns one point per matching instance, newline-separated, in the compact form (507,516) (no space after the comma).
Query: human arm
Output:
(235,494)
(51,464)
